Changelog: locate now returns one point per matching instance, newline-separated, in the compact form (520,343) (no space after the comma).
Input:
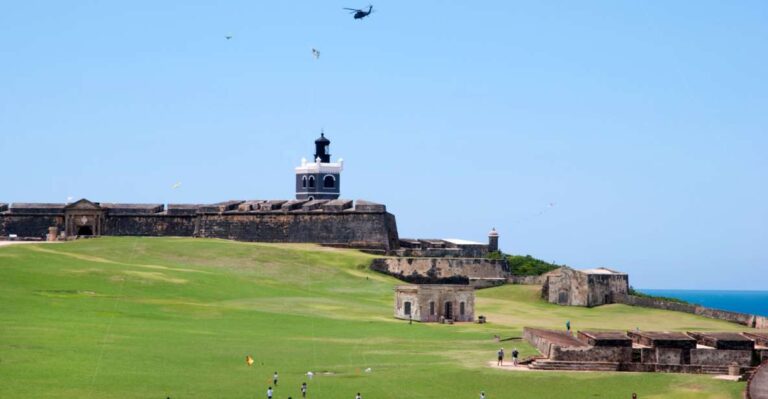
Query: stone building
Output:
(435,302)
(320,179)
(592,287)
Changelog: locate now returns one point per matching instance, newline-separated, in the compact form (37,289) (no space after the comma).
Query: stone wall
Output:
(442,270)
(29,225)
(566,286)
(532,336)
(720,357)
(591,354)
(352,229)
(733,317)
(339,223)
(526,280)
(606,288)
(154,225)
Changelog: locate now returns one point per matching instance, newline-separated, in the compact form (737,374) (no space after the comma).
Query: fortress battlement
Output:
(227,207)
(338,222)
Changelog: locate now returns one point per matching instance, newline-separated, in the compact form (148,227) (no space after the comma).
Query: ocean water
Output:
(752,302)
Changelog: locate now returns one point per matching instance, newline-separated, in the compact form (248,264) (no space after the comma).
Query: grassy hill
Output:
(156,317)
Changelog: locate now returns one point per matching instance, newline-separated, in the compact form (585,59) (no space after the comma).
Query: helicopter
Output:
(360,14)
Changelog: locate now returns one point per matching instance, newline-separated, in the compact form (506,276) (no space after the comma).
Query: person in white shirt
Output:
(274,379)
(482,395)
(269,393)
(358,396)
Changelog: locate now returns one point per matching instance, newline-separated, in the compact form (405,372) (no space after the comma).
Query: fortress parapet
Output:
(338,222)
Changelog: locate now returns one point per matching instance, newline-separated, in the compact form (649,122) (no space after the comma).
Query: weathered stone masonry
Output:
(339,222)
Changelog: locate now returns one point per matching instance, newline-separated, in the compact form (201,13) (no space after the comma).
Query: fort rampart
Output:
(346,223)
(734,317)
(480,272)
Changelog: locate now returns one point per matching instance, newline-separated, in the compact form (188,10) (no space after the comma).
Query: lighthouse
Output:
(320,179)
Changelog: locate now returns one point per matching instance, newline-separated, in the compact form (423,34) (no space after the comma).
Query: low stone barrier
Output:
(526,280)
(591,354)
(733,317)
(719,357)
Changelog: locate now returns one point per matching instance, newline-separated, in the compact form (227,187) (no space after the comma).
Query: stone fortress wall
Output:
(478,272)
(359,224)
(647,351)
(745,319)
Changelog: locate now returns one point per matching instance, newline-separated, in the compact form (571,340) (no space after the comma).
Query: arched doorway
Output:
(448,310)
(84,231)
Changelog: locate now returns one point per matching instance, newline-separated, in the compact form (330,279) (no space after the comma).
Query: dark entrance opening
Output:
(408,308)
(449,310)
(84,231)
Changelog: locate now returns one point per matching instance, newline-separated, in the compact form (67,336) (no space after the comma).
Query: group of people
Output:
(500,354)
(275,380)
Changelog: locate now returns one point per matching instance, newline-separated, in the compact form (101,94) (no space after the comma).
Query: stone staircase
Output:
(556,365)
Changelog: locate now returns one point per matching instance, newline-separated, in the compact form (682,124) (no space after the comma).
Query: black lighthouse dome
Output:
(323,148)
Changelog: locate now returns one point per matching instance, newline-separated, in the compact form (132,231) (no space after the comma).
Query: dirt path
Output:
(509,366)
(6,243)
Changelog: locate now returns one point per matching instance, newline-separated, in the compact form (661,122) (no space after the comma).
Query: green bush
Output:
(524,265)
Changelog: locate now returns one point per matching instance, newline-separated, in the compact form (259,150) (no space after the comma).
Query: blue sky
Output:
(644,123)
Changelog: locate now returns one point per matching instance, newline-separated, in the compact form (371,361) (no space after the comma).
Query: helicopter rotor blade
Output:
(351,9)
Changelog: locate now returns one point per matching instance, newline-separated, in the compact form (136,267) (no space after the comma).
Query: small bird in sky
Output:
(315,53)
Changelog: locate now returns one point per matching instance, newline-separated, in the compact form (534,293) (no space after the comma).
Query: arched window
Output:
(304,182)
(311,181)
(329,181)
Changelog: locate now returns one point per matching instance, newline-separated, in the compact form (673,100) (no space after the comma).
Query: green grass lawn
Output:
(156,317)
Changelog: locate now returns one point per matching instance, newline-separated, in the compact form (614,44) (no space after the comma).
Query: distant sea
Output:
(752,302)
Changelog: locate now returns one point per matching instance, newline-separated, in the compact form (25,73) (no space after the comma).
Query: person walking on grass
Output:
(482,395)
(568,326)
(269,393)
(515,353)
(358,396)
(500,357)
(274,379)
(303,389)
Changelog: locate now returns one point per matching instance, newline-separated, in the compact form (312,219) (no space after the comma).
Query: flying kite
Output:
(228,37)
(176,185)
(316,54)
